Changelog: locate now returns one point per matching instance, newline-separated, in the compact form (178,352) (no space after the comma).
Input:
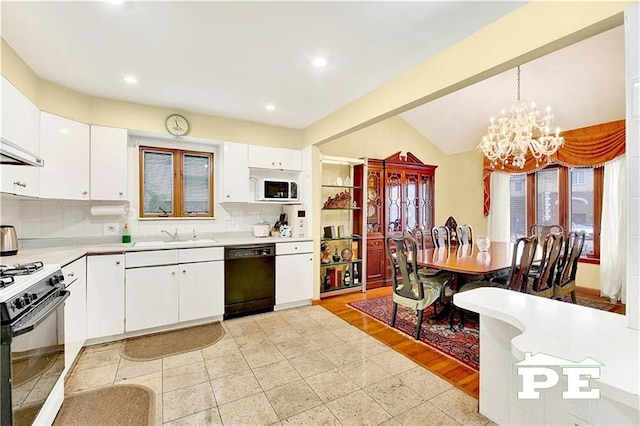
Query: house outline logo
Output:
(576,373)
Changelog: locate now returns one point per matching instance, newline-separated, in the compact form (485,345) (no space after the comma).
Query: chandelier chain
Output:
(518,82)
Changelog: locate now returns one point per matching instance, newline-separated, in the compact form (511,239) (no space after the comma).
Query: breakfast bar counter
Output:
(515,327)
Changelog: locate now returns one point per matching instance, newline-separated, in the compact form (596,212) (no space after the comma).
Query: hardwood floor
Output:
(449,369)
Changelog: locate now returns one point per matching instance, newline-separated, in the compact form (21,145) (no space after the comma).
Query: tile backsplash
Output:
(37,219)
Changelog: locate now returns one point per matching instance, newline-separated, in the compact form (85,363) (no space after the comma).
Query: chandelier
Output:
(512,136)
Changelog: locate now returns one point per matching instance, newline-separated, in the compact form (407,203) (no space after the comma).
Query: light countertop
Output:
(64,254)
(566,331)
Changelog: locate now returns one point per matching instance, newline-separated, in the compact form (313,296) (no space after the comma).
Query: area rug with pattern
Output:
(461,345)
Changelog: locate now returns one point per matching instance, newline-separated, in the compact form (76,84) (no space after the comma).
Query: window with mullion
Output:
(557,195)
(175,183)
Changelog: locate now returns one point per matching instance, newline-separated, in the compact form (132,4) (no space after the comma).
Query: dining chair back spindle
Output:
(565,281)
(408,288)
(441,236)
(464,234)
(541,282)
(418,234)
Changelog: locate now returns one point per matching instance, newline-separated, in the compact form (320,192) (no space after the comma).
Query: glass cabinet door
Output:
(374,202)
(394,201)
(426,201)
(411,201)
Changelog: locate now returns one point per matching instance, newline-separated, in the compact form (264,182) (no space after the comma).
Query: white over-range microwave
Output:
(277,190)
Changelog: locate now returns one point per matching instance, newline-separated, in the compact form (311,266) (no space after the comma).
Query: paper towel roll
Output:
(108,210)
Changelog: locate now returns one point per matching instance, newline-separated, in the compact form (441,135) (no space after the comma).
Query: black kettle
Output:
(8,240)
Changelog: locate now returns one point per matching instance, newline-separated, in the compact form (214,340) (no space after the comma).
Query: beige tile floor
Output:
(302,366)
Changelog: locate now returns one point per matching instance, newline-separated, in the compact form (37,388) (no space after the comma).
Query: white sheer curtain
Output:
(613,234)
(499,217)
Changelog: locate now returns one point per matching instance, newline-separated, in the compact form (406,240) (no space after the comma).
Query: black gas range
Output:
(32,299)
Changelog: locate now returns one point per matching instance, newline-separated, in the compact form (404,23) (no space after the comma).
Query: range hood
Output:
(14,155)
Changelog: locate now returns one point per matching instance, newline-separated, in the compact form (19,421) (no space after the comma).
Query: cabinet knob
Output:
(71,274)
(121,193)
(117,262)
(184,271)
(84,192)
(228,195)
(173,273)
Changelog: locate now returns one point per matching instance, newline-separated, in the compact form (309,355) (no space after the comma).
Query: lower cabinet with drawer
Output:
(167,287)
(376,262)
(294,274)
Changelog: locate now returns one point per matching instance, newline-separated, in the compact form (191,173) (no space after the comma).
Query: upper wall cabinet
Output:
(264,157)
(235,174)
(64,145)
(108,163)
(20,124)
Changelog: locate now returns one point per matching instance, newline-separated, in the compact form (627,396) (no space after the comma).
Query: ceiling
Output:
(231,59)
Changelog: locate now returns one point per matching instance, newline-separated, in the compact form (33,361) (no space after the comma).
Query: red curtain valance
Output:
(591,146)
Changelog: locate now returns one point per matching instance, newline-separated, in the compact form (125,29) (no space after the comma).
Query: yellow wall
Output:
(388,137)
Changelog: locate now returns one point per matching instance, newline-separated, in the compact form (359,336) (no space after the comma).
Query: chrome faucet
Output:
(173,236)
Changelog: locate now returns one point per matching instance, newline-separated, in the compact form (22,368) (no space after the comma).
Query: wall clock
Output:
(177,125)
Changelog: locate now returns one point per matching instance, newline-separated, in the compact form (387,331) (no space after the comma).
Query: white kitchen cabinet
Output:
(266,157)
(235,173)
(75,310)
(165,287)
(64,146)
(201,290)
(20,125)
(108,163)
(294,274)
(151,297)
(105,295)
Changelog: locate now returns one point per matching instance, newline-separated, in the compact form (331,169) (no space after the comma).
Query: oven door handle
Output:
(43,315)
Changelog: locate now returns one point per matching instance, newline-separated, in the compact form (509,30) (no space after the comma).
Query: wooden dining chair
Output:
(541,282)
(408,288)
(418,234)
(565,280)
(441,236)
(464,234)
(524,252)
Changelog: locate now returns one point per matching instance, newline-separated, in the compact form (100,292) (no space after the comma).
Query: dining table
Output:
(467,262)
(468,259)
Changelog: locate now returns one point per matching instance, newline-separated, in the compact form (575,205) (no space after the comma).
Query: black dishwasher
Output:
(249,280)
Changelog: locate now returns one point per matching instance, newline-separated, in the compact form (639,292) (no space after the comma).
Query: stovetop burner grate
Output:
(21,269)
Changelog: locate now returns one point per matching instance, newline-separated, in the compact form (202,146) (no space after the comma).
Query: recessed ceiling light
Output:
(130,79)
(269,107)
(319,62)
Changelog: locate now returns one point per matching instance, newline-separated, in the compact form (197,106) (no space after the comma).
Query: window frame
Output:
(178,156)
(564,185)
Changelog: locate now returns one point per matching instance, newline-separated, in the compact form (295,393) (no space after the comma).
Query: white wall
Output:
(632,29)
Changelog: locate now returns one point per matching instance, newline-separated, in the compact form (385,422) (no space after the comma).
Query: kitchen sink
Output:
(173,243)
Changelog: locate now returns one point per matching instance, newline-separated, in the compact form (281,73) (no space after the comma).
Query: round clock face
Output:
(177,125)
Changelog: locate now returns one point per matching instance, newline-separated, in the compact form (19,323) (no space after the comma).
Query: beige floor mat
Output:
(115,405)
(159,345)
